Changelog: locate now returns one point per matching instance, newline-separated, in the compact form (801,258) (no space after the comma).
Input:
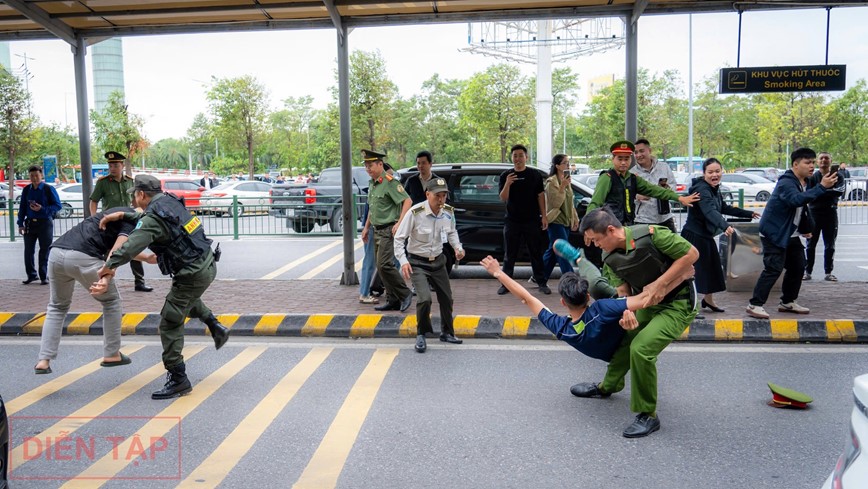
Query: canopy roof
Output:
(45,19)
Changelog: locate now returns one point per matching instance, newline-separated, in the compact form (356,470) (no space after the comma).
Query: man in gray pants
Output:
(77,256)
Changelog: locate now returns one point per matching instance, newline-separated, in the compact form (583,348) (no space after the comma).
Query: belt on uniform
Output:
(423,258)
(380,227)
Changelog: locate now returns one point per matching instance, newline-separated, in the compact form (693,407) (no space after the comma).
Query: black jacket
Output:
(706,216)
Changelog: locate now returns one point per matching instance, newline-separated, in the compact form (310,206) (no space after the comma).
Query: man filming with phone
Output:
(648,209)
(824,211)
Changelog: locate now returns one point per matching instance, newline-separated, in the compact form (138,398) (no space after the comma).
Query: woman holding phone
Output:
(704,222)
(560,212)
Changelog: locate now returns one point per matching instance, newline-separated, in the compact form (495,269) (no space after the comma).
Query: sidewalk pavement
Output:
(839,312)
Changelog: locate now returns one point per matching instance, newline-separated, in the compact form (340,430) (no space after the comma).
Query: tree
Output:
(288,141)
(202,139)
(239,107)
(116,129)
(372,96)
(168,153)
(496,108)
(439,116)
(15,121)
(848,124)
(62,142)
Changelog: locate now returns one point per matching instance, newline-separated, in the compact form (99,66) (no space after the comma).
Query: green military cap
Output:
(369,156)
(147,183)
(622,148)
(436,185)
(783,397)
(113,156)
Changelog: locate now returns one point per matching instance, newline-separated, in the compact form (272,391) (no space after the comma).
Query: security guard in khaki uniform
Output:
(425,228)
(387,202)
(113,191)
(184,253)
(654,260)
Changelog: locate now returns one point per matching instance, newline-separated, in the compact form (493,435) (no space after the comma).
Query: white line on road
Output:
(289,266)
(326,264)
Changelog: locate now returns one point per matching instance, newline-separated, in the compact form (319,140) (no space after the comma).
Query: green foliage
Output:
(16,123)
(225,165)
(239,108)
(169,153)
(54,140)
(116,129)
(372,97)
(202,140)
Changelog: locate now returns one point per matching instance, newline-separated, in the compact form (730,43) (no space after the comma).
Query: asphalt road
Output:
(366,413)
(321,257)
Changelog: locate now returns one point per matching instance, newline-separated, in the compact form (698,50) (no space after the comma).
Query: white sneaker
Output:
(793,307)
(367,299)
(756,312)
(806,276)
(831,278)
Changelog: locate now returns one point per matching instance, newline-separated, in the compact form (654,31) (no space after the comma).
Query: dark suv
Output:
(474,193)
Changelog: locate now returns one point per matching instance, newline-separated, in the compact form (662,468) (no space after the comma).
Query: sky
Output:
(166,77)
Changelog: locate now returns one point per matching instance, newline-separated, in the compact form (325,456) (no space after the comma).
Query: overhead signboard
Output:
(819,78)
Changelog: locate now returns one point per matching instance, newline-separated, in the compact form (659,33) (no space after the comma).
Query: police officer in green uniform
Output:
(113,191)
(184,253)
(659,262)
(387,202)
(617,187)
(424,229)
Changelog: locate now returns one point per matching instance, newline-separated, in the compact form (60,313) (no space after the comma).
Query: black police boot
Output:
(219,332)
(177,384)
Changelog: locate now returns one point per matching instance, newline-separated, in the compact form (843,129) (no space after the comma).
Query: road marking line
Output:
(89,412)
(289,266)
(325,265)
(59,383)
(215,468)
(268,324)
(108,466)
(329,459)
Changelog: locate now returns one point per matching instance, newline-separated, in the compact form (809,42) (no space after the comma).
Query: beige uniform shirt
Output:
(425,232)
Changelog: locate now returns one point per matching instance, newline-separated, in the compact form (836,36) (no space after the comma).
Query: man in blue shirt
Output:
(39,204)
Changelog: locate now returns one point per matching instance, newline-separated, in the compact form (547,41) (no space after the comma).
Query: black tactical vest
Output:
(186,242)
(621,199)
(643,265)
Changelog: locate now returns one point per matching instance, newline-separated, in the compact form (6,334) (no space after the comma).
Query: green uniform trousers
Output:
(384,248)
(658,326)
(184,300)
(432,272)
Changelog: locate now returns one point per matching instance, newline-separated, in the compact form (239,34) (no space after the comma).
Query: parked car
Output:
(475,195)
(4,445)
(684,180)
(249,194)
(190,190)
(4,193)
(851,471)
(767,172)
(587,179)
(755,187)
(71,200)
(305,205)
(857,185)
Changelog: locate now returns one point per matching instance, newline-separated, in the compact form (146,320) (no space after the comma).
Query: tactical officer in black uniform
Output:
(184,253)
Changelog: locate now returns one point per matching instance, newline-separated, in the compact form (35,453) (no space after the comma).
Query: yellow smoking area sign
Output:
(818,78)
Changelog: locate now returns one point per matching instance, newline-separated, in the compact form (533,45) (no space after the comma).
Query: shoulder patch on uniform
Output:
(400,188)
(418,210)
(448,207)
(388,177)
(139,224)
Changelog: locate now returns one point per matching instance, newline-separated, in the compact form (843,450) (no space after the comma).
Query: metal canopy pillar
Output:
(544,96)
(79,51)
(631,98)
(348,277)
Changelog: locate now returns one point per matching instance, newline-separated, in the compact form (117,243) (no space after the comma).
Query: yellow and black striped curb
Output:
(395,326)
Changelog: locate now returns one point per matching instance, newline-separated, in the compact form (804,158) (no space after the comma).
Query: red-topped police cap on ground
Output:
(788,398)
(622,148)
(113,156)
(369,156)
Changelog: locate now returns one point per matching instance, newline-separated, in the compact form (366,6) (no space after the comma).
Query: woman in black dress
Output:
(705,221)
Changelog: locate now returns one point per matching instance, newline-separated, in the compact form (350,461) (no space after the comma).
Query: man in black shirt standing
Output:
(523,191)
(824,211)
(415,185)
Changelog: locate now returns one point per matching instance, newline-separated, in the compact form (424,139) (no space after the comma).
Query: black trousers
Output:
(514,235)
(790,261)
(42,231)
(825,222)
(138,272)
(434,273)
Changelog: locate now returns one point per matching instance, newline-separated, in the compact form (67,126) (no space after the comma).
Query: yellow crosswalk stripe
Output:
(87,413)
(109,465)
(50,387)
(328,461)
(289,266)
(217,466)
(325,265)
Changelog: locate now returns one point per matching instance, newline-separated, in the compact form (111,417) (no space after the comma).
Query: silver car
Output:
(851,471)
